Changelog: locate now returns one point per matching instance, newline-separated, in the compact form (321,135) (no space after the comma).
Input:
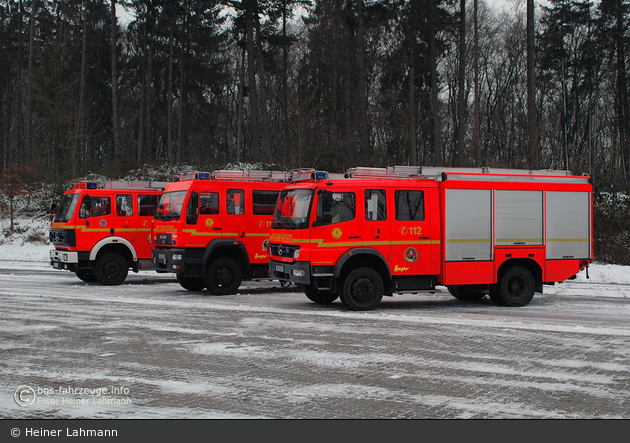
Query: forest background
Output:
(122,87)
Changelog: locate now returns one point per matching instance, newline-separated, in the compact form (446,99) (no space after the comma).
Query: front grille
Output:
(62,237)
(286,251)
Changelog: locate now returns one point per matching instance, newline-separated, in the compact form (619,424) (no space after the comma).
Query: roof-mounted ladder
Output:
(249,174)
(135,184)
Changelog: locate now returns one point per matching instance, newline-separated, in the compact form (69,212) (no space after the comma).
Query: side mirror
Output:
(324,205)
(326,200)
(53,208)
(86,207)
(192,214)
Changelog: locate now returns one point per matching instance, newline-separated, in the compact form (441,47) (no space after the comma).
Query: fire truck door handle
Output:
(355,236)
(424,238)
(216,229)
(87,223)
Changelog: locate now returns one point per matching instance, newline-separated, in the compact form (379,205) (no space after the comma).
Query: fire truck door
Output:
(124,225)
(144,214)
(96,213)
(338,228)
(410,232)
(235,222)
(376,226)
(210,222)
(263,205)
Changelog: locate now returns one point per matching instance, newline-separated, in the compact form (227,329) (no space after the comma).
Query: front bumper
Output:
(168,260)
(298,272)
(64,259)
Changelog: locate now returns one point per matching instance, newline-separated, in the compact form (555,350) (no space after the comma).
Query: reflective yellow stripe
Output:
(206,234)
(319,242)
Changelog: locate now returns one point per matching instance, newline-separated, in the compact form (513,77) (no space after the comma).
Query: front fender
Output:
(358,251)
(113,241)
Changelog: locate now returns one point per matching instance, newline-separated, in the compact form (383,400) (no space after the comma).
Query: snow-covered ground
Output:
(268,352)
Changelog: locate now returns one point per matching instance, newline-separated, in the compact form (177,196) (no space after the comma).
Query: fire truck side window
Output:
(235,202)
(343,207)
(101,206)
(209,203)
(375,207)
(409,205)
(124,205)
(147,205)
(264,202)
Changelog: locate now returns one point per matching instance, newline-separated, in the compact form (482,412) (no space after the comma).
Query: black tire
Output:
(320,297)
(191,283)
(86,276)
(517,286)
(466,294)
(111,269)
(362,289)
(223,277)
(495,295)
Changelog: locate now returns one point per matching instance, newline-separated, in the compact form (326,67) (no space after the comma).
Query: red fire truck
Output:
(100,233)
(502,233)
(212,229)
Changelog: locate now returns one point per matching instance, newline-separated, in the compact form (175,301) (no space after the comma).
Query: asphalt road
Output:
(150,349)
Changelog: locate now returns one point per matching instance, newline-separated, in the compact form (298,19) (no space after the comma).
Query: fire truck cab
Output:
(212,229)
(502,233)
(101,233)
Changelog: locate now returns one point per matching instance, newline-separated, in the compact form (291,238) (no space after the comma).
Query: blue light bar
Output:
(204,176)
(321,175)
(90,185)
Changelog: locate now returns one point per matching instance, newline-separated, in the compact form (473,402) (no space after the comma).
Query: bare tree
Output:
(460,127)
(477,132)
(533,156)
(114,71)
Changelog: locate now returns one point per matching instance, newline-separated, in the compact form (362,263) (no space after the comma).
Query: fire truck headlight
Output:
(296,254)
(177,256)
(65,257)
(298,273)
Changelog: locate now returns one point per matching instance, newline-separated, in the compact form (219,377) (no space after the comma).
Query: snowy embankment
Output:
(28,242)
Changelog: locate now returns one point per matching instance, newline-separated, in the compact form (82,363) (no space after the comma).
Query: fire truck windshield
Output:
(293,209)
(170,206)
(66,208)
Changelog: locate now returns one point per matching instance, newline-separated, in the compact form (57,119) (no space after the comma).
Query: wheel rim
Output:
(223,277)
(516,287)
(112,270)
(363,289)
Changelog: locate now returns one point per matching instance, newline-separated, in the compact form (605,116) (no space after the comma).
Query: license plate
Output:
(279,268)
